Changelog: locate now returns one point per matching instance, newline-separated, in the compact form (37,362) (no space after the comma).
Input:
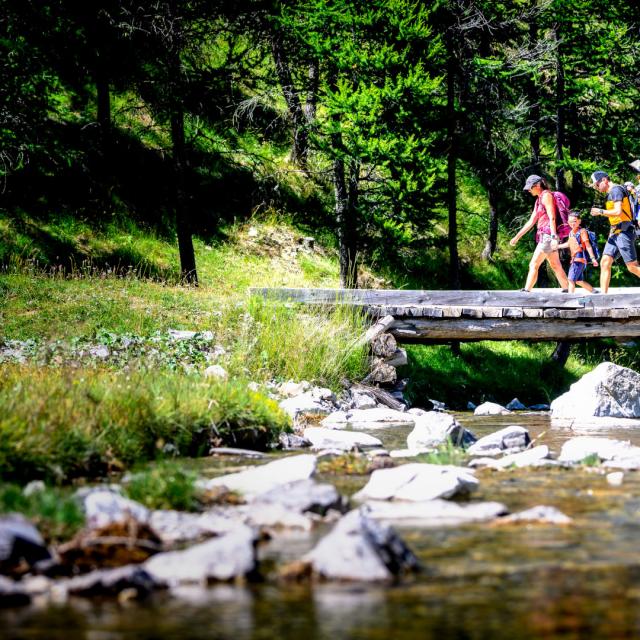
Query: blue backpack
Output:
(593,241)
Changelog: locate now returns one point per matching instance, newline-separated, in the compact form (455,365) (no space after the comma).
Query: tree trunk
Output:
(103,104)
(454,266)
(183,223)
(534,101)
(313,82)
(345,224)
(560,113)
(300,145)
(492,237)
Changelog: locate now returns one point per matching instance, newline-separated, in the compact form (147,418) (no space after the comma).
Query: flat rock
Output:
(291,441)
(433,428)
(220,559)
(606,449)
(362,400)
(608,391)
(174,527)
(105,506)
(316,401)
(111,582)
(364,419)
(303,495)
(531,457)
(541,514)
(361,549)
(263,478)
(417,482)
(322,438)
(490,409)
(434,513)
(20,542)
(512,438)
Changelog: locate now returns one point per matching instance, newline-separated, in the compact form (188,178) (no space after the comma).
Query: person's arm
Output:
(564,245)
(550,206)
(616,211)
(587,244)
(528,225)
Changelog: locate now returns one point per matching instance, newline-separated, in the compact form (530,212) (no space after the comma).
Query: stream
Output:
(479,580)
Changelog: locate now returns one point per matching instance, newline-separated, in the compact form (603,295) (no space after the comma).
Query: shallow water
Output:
(479,581)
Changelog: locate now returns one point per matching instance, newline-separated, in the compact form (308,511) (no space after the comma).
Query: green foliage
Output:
(54,511)
(62,423)
(165,485)
(488,371)
(447,453)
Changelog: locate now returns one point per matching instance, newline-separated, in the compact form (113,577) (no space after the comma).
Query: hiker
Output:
(544,215)
(622,232)
(579,244)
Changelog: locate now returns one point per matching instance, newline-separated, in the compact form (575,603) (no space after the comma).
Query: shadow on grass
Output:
(496,372)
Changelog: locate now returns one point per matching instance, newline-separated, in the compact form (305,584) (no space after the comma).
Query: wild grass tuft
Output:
(59,423)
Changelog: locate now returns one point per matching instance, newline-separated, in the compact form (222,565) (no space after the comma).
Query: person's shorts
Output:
(576,271)
(547,244)
(622,244)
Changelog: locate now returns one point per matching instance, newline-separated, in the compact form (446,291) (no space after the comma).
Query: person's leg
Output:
(572,286)
(534,265)
(584,284)
(605,272)
(554,261)
(634,267)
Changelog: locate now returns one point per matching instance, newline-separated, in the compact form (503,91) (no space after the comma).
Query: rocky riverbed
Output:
(538,531)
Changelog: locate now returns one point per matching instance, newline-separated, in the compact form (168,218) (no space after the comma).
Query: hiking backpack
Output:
(593,241)
(563,208)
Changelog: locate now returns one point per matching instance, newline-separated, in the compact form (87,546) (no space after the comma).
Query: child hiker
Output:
(579,244)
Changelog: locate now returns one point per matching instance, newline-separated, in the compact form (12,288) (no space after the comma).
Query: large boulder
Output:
(417,482)
(303,495)
(361,549)
(490,409)
(433,428)
(608,391)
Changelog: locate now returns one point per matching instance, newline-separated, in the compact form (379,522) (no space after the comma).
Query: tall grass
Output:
(62,423)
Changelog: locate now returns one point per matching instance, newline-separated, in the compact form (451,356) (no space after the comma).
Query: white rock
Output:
(103,507)
(542,514)
(417,482)
(615,479)
(528,458)
(360,549)
(223,558)
(322,438)
(490,409)
(178,526)
(581,447)
(435,513)
(607,391)
(216,371)
(379,418)
(290,389)
(260,479)
(312,403)
(177,335)
(511,438)
(362,400)
(409,453)
(433,428)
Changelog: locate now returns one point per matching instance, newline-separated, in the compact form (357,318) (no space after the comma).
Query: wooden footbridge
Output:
(445,316)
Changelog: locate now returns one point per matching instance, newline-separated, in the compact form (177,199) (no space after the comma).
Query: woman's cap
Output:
(629,185)
(531,182)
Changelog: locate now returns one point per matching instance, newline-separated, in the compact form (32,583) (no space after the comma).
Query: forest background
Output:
(148,147)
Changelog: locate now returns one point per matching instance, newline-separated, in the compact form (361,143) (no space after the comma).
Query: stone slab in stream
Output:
(606,449)
(364,419)
(418,482)
(433,428)
(322,438)
(263,478)
(512,438)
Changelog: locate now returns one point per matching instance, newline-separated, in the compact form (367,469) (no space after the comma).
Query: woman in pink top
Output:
(544,216)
